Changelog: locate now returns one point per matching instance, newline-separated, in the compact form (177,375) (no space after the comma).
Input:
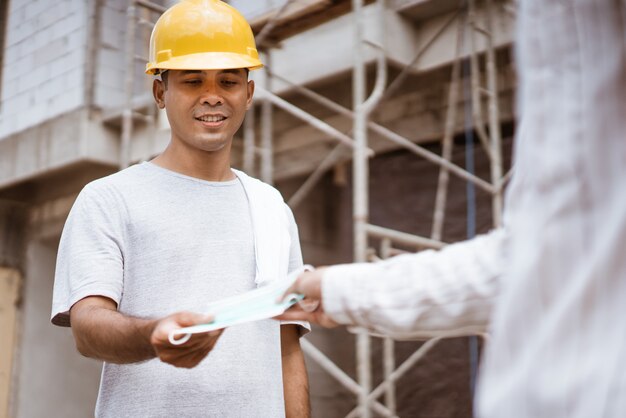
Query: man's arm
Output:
(101,332)
(295,379)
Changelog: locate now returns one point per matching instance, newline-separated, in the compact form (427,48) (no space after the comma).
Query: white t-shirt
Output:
(158,242)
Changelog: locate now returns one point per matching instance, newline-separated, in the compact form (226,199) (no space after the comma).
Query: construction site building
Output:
(387,126)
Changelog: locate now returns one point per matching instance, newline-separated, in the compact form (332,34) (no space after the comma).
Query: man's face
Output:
(204,108)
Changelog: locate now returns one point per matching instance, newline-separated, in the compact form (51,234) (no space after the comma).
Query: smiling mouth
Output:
(211,118)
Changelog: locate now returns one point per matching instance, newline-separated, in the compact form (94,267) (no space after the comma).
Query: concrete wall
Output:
(253,9)
(328,50)
(109,71)
(56,144)
(53,380)
(44,62)
(110,54)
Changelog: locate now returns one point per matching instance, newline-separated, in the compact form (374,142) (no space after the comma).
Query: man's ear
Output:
(250,94)
(158,91)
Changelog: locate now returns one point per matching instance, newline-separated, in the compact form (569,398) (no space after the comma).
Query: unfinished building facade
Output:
(387,126)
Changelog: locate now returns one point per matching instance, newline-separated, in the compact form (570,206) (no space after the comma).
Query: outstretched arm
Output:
(449,292)
(103,333)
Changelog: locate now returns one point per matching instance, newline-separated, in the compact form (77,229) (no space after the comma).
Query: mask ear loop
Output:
(180,341)
(292,298)
(308,305)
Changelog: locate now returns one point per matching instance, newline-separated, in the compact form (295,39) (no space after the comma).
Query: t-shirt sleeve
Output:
(90,257)
(295,262)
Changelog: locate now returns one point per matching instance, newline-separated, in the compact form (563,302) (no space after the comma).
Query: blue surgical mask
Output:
(262,303)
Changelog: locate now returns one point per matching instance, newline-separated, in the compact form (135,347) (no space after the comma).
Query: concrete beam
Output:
(326,51)
(47,219)
(423,9)
(56,144)
(298,16)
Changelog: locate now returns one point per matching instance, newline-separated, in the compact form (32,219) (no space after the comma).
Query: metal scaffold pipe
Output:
(390,136)
(494,118)
(127,114)
(447,143)
(269,26)
(362,108)
(403,237)
(360,193)
(310,119)
(477,115)
(157,8)
(267,127)
(389,345)
(399,372)
(334,371)
(249,146)
(400,78)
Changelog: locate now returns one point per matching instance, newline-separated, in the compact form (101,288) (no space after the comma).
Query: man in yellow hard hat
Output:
(147,248)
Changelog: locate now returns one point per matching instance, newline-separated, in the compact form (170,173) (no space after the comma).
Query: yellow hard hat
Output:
(202,35)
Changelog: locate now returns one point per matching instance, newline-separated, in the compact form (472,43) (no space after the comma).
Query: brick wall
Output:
(111,60)
(43,74)
(109,82)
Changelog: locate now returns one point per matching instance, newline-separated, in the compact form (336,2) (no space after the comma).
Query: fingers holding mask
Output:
(308,284)
(190,353)
(310,308)
(315,316)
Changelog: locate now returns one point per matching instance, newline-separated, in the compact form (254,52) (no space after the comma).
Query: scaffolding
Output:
(485,121)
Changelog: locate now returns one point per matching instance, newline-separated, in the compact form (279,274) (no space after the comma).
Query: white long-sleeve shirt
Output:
(551,286)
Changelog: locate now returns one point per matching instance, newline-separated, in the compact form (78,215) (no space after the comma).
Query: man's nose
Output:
(211,95)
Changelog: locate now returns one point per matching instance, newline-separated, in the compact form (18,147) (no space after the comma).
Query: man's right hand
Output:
(103,333)
(191,353)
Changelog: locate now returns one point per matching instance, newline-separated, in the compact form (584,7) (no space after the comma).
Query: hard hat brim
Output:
(206,61)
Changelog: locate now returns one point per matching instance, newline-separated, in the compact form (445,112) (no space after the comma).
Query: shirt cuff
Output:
(303,326)
(61,312)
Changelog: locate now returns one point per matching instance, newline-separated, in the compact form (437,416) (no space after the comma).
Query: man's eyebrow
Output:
(185,72)
(237,71)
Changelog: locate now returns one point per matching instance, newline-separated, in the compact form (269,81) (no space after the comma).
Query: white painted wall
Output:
(43,74)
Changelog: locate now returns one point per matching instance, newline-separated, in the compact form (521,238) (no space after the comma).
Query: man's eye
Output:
(192,81)
(229,82)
